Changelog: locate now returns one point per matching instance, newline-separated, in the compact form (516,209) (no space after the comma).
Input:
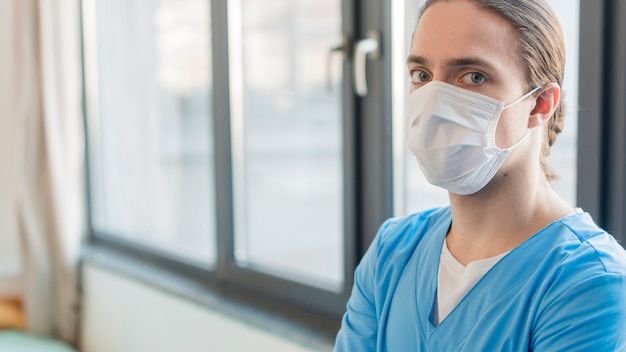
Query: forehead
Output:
(459,28)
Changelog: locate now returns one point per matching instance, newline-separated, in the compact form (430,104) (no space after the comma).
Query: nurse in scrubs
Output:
(508,265)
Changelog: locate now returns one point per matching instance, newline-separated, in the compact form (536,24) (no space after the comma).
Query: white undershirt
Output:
(454,280)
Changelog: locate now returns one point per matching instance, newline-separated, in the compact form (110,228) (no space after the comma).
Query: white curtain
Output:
(49,161)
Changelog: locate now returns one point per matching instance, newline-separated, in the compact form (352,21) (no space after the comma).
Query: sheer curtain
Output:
(48,161)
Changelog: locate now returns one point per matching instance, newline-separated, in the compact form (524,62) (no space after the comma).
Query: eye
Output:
(419,76)
(473,78)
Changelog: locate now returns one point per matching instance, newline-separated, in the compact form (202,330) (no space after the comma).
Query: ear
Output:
(545,104)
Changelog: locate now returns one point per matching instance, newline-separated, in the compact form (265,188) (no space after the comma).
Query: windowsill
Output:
(298,326)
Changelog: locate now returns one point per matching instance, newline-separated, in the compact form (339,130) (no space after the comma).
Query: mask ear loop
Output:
(530,130)
(522,98)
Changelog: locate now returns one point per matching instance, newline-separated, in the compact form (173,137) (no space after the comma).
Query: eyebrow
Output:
(460,62)
(417,60)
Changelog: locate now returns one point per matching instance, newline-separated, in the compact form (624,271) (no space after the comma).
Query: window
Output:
(149,115)
(564,152)
(287,140)
(222,138)
(601,170)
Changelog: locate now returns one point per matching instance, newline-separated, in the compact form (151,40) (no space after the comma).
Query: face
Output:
(461,44)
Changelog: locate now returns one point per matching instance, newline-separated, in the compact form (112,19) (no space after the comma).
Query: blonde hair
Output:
(542,49)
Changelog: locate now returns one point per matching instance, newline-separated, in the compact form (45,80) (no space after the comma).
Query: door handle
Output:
(365,48)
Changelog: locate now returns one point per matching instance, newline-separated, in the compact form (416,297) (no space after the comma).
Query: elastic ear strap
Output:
(530,130)
(522,98)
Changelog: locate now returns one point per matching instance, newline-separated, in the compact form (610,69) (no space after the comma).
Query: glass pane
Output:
(150,126)
(412,192)
(287,137)
(564,152)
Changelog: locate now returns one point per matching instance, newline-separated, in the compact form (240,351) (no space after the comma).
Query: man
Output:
(509,265)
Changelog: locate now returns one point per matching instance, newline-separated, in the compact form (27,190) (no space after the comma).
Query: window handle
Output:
(368,47)
(343,50)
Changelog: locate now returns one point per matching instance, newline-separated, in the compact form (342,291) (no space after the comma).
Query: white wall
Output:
(123,315)
(9,245)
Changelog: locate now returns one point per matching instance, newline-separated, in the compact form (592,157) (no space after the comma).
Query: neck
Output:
(507,212)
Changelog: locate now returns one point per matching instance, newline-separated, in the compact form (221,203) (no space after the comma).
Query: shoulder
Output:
(583,305)
(397,238)
(589,248)
(398,233)
(588,269)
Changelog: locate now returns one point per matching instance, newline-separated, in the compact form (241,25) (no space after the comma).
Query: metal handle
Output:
(364,48)
(341,48)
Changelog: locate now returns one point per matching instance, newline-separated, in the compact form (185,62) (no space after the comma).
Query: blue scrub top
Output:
(564,289)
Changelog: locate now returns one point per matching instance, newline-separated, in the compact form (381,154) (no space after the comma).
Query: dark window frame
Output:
(601,186)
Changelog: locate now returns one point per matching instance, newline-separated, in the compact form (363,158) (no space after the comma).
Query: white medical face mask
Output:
(451,132)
